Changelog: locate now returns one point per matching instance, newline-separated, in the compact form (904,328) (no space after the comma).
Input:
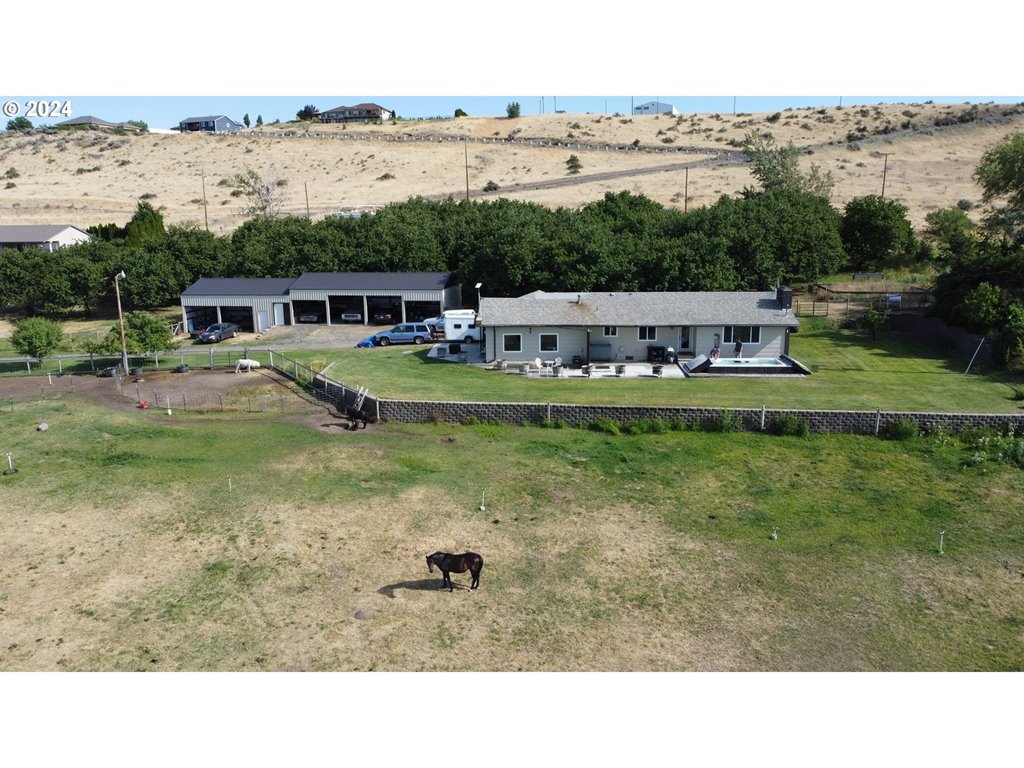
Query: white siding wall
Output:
(773,342)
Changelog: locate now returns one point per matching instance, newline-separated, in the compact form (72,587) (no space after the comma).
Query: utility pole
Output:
(686,188)
(465,146)
(206,215)
(305,186)
(885,167)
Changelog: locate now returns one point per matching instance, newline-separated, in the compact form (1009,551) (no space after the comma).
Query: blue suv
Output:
(405,333)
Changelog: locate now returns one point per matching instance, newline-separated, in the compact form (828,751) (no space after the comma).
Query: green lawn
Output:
(133,540)
(851,372)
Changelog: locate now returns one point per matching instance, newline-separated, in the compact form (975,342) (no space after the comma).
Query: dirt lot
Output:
(195,390)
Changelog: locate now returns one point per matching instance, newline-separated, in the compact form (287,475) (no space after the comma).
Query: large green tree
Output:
(778,168)
(147,223)
(876,231)
(37,337)
(142,333)
(1001,176)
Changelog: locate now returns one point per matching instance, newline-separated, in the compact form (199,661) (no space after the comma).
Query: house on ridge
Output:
(209,124)
(88,121)
(634,326)
(360,113)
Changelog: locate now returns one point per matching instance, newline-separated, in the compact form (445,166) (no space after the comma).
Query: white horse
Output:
(246,365)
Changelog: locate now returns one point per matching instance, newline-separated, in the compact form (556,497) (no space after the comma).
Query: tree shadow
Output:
(422,585)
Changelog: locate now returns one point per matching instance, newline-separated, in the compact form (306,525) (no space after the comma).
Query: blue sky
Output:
(166,111)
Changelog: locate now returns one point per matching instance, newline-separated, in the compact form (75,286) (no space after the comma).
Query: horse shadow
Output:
(422,585)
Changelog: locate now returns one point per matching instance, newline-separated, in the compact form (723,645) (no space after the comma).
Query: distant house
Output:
(360,113)
(46,237)
(209,124)
(634,326)
(655,108)
(88,121)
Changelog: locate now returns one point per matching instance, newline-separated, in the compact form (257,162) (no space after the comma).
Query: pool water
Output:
(759,362)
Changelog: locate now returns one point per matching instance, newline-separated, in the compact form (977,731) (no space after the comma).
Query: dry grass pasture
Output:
(89,177)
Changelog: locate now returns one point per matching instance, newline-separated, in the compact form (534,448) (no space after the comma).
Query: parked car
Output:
(351,317)
(405,333)
(382,318)
(309,317)
(218,332)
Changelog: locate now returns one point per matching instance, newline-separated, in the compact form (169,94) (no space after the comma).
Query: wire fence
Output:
(250,395)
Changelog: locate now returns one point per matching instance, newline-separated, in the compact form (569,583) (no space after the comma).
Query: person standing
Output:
(737,351)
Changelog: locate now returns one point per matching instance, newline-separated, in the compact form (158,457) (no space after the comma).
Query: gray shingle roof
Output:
(372,281)
(708,308)
(32,233)
(239,286)
(207,119)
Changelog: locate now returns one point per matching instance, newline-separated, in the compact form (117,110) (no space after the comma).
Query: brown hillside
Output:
(91,177)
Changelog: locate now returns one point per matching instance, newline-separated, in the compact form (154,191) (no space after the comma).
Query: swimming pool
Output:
(749,362)
(752,366)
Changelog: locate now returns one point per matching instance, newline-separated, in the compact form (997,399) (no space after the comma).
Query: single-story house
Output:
(331,298)
(88,121)
(46,237)
(209,124)
(655,108)
(628,326)
(360,113)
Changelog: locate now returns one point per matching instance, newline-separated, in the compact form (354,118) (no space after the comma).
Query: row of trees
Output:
(622,242)
(982,285)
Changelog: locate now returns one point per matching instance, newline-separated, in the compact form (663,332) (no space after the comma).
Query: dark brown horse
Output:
(356,415)
(448,563)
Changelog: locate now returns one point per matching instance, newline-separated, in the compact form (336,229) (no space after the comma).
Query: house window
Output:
(748,334)
(512,342)
(647,333)
(611,330)
(549,342)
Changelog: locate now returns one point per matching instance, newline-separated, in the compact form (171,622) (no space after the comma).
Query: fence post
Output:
(878,420)
(211,359)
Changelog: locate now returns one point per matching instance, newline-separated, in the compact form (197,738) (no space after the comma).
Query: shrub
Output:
(10,185)
(469,421)
(491,186)
(12,173)
(724,421)
(608,426)
(646,426)
(901,429)
(786,424)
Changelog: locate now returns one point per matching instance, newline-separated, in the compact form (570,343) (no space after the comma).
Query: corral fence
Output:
(150,361)
(325,389)
(170,394)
